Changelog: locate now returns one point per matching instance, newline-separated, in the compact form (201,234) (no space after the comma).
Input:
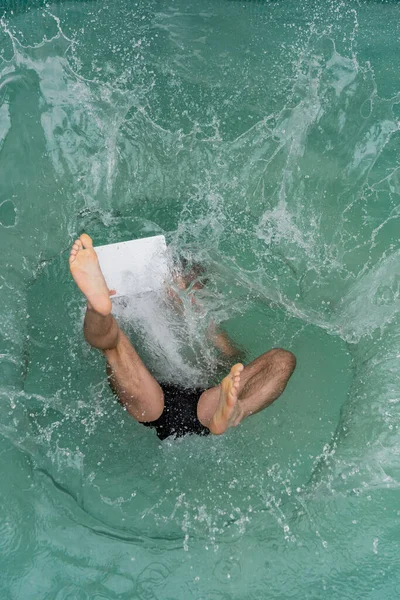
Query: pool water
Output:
(261,138)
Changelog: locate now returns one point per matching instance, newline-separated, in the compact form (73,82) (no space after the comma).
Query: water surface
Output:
(261,138)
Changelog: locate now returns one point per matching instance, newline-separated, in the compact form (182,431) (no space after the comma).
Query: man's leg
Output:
(246,390)
(135,387)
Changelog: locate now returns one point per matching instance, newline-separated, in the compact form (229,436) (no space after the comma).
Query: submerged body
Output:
(243,392)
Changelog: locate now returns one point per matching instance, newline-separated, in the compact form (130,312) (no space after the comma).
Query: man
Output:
(169,408)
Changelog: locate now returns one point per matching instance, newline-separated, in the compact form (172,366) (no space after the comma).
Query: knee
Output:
(107,340)
(283,359)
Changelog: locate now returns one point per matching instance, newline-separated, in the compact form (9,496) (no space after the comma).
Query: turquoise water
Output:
(262,139)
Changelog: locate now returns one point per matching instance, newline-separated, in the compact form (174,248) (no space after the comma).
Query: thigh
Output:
(266,362)
(132,382)
(273,369)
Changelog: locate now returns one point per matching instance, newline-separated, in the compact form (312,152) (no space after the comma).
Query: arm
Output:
(224,344)
(217,336)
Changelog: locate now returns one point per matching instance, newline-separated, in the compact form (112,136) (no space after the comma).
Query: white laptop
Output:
(135,267)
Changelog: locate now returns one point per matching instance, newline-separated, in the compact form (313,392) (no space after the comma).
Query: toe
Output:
(86,240)
(237,369)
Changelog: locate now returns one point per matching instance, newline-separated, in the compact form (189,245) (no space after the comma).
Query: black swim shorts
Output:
(179,416)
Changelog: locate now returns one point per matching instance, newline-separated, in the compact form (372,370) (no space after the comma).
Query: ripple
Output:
(72,592)
(152,576)
(10,530)
(228,568)
(8,213)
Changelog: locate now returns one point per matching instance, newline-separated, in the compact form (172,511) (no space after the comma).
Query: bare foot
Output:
(228,410)
(87,274)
